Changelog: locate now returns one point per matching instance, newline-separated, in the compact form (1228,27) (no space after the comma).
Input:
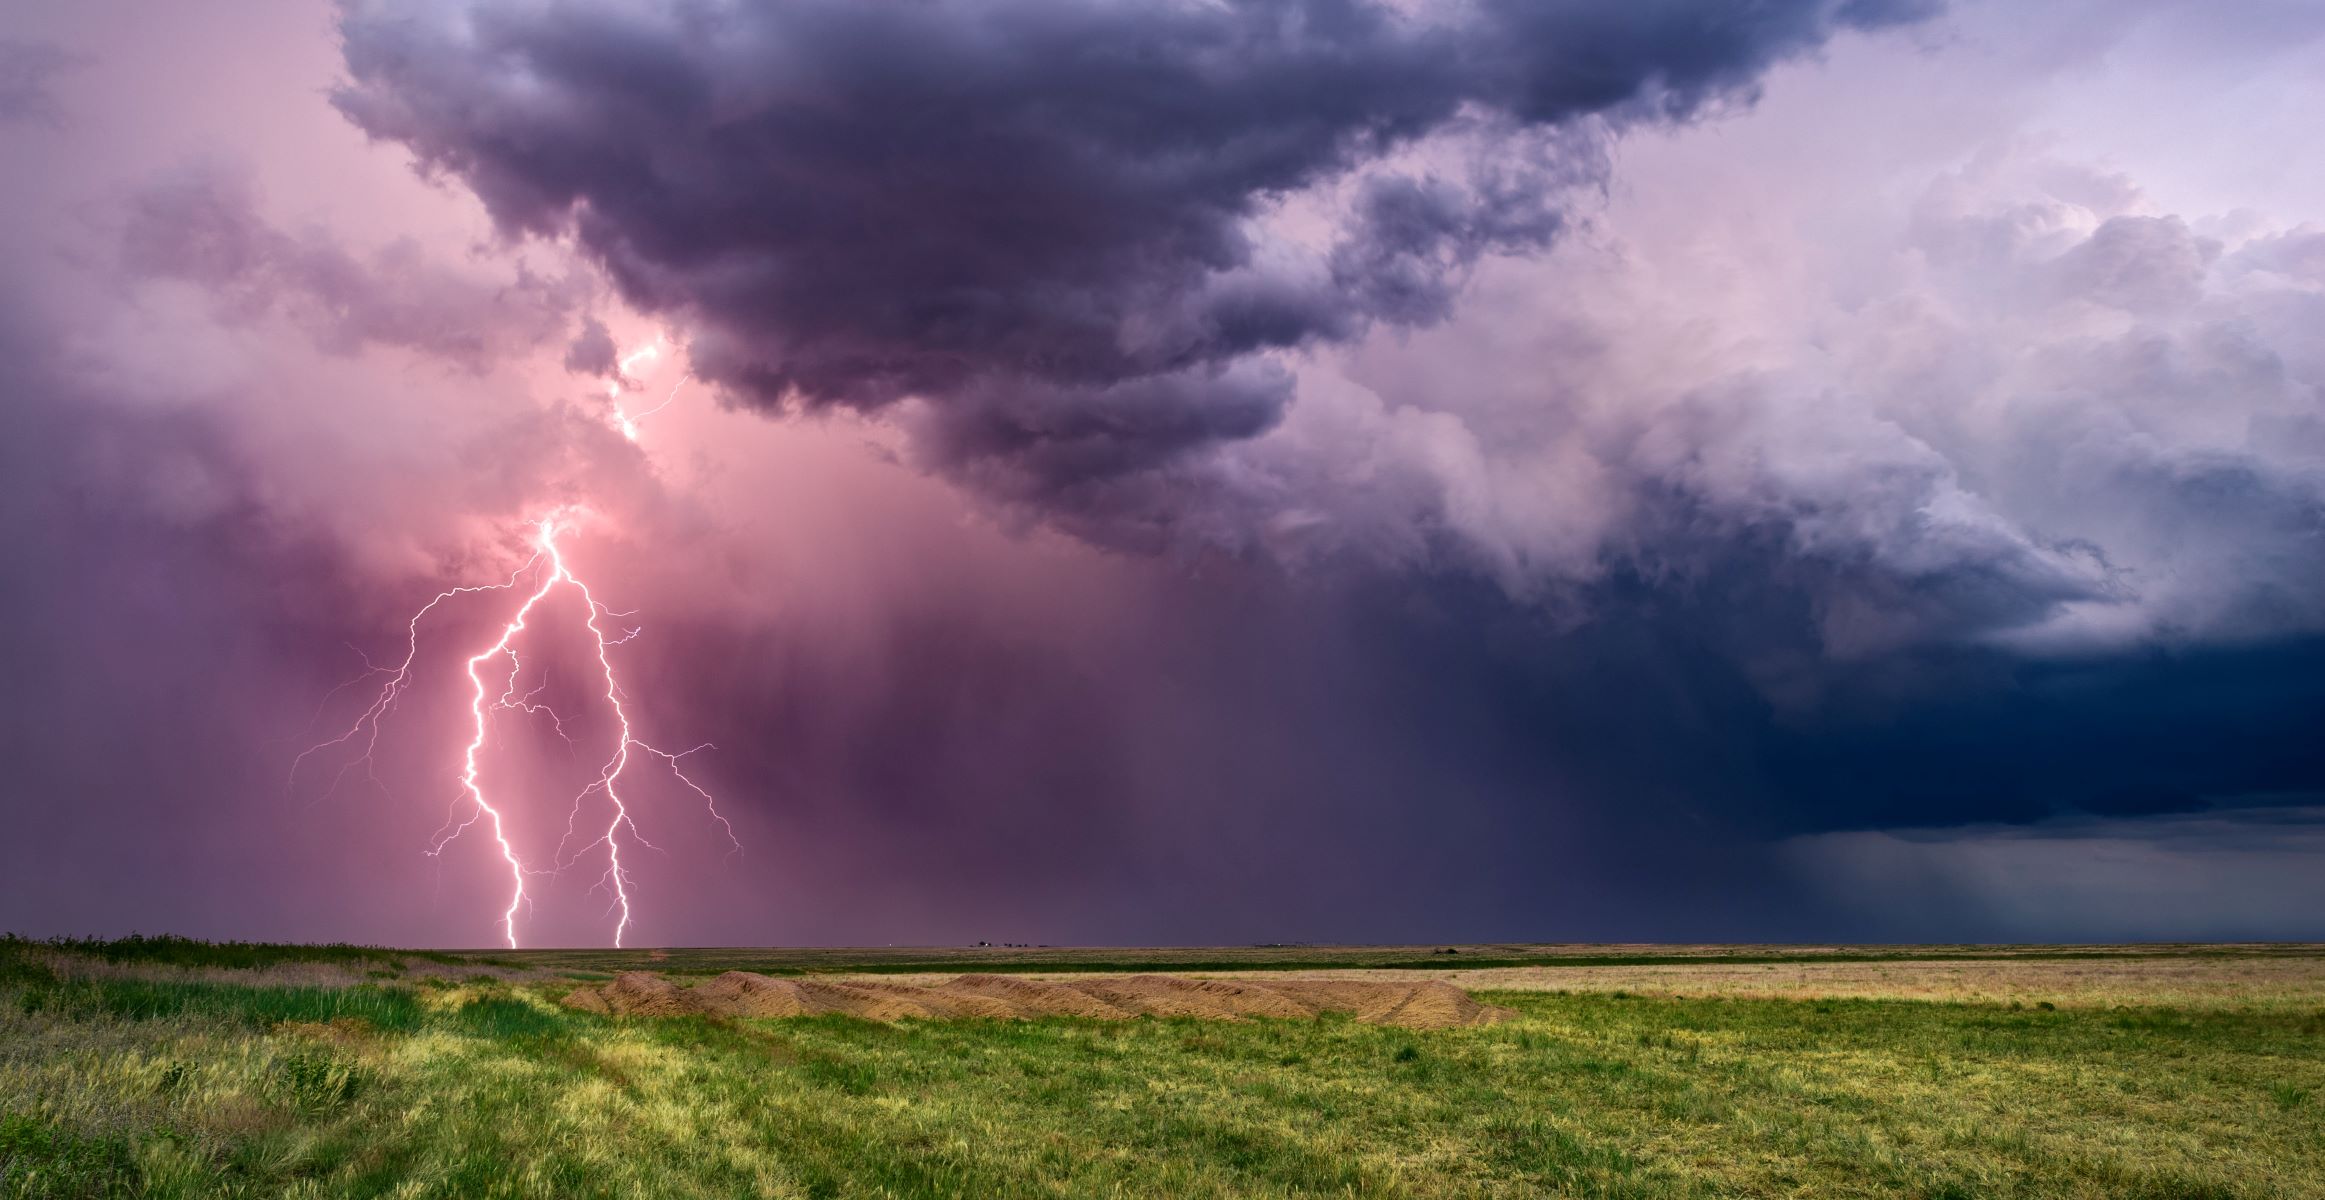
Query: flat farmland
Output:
(168,1068)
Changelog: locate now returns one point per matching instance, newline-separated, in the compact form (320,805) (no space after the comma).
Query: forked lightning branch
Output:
(496,675)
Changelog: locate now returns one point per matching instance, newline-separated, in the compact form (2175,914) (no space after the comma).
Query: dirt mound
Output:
(873,1003)
(645,994)
(1363,999)
(945,1002)
(1438,1004)
(743,994)
(1033,998)
(1172,996)
(1427,1004)
(588,999)
(1418,1005)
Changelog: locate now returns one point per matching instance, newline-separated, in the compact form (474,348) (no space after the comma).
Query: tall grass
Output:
(199,1089)
(170,950)
(393,1008)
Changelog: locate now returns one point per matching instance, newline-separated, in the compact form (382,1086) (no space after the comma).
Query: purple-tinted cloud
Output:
(202,226)
(1060,225)
(28,69)
(593,351)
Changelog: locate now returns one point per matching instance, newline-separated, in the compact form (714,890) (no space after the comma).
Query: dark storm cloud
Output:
(1043,218)
(2010,742)
(1511,644)
(2217,875)
(1078,231)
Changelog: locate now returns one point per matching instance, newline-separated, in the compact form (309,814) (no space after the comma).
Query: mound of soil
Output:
(587,999)
(1171,996)
(946,1002)
(742,994)
(855,1000)
(1033,998)
(645,994)
(1429,1004)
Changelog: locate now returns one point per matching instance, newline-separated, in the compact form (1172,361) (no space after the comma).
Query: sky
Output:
(1092,472)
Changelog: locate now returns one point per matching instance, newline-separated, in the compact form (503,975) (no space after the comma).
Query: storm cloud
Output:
(1106,264)
(1075,231)
(1268,471)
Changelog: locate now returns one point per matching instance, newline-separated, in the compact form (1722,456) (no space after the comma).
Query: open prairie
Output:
(169,1068)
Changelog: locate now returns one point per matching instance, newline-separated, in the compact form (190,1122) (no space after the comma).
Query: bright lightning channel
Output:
(548,569)
(627,423)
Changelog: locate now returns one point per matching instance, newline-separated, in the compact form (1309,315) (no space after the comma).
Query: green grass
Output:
(134,1087)
(169,950)
(145,999)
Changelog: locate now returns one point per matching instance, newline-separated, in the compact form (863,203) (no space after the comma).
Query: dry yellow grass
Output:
(2180,982)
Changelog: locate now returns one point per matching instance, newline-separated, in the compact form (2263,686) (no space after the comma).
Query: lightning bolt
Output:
(627,423)
(547,570)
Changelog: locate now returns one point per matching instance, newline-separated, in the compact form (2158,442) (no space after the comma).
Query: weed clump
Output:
(315,1082)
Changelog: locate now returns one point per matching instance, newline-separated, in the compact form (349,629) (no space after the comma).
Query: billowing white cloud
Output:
(1990,390)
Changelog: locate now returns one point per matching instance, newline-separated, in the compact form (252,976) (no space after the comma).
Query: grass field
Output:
(1706,1071)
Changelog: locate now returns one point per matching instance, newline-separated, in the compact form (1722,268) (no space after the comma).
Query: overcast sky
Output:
(1183,472)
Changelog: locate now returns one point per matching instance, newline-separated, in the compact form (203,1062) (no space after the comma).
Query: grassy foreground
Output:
(172,1085)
